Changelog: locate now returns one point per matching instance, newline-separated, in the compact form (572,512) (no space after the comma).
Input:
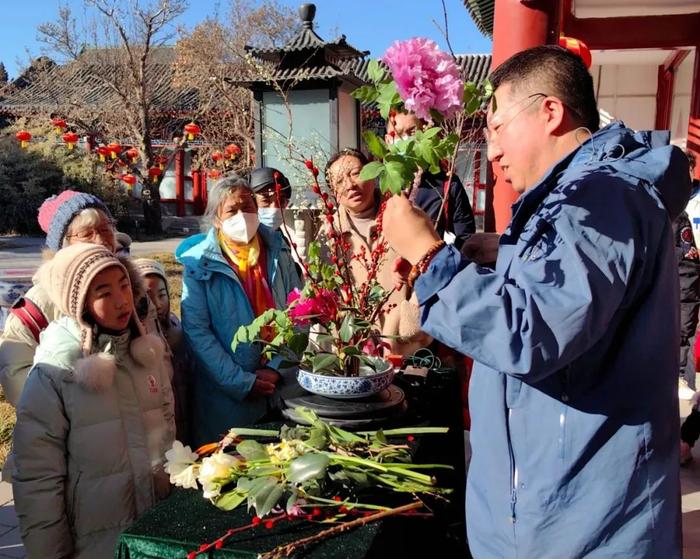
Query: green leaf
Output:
(430,132)
(230,500)
(395,174)
(374,144)
(323,361)
(372,170)
(252,450)
(374,71)
(388,98)
(298,342)
(266,496)
(308,466)
(347,329)
(318,438)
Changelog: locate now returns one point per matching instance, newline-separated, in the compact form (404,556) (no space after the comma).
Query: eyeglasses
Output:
(89,233)
(489,135)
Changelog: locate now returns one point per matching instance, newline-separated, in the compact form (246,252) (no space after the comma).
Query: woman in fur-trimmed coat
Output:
(93,423)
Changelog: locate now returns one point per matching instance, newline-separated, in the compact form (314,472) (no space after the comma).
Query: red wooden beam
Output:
(665,31)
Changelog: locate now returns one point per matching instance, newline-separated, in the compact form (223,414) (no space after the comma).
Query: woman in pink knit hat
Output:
(96,414)
(67,218)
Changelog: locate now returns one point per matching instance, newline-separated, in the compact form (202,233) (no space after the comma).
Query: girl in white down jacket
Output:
(96,414)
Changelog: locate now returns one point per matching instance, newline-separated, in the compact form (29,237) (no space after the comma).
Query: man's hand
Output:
(261,388)
(268,375)
(407,229)
(481,248)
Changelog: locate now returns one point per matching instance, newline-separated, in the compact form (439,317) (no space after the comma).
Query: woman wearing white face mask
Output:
(233,273)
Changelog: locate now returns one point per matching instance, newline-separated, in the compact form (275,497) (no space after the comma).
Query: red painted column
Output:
(180,182)
(694,120)
(664,88)
(518,25)
(197,192)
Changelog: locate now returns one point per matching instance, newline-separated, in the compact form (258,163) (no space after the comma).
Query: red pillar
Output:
(518,25)
(664,88)
(694,120)
(180,182)
(197,192)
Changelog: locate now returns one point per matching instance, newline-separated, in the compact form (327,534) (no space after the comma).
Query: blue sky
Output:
(368,24)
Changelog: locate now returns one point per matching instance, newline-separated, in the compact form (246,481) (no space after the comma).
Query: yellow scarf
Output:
(248,261)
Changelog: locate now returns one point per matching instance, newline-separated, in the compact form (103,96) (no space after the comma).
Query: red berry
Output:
(192,555)
(343,509)
(324,196)
(309,164)
(392,133)
(219,544)
(329,205)
(337,499)
(203,547)
(256,520)
(410,438)
(315,188)
(341,262)
(329,218)
(334,259)
(269,524)
(316,512)
(314,171)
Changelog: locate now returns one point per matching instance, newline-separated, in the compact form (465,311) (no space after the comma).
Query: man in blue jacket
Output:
(575,333)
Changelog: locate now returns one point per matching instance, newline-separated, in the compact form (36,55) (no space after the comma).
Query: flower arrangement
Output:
(307,472)
(418,77)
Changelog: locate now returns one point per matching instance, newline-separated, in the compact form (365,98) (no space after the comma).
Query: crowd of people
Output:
(573,318)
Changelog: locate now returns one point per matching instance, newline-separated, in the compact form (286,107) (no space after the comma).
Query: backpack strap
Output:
(30,315)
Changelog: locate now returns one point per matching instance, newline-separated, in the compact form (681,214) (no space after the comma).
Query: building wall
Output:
(628,93)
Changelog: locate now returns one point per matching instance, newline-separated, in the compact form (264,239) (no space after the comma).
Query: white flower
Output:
(187,478)
(211,490)
(179,458)
(216,468)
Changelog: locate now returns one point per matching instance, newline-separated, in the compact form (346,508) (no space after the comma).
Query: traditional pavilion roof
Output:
(481,12)
(307,56)
(75,82)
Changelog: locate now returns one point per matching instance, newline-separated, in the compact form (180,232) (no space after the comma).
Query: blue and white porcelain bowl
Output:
(367,383)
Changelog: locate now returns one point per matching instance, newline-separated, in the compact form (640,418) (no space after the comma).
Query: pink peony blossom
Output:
(426,78)
(321,308)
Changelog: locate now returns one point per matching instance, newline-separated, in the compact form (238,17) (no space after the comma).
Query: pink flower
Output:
(426,78)
(322,307)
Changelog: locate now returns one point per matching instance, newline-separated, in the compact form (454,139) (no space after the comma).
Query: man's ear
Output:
(554,113)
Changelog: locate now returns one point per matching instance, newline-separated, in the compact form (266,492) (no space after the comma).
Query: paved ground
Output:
(11,545)
(25,252)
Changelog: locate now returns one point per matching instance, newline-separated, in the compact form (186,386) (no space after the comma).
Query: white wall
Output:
(347,119)
(625,85)
(628,92)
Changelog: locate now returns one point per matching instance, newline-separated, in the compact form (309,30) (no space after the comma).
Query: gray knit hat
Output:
(56,213)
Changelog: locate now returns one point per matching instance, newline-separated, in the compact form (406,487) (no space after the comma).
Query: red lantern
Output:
(70,138)
(161,161)
(192,131)
(132,154)
(23,137)
(114,149)
(129,180)
(217,157)
(232,150)
(154,173)
(103,152)
(59,125)
(214,174)
(577,47)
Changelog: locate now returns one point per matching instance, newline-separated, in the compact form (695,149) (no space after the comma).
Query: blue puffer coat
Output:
(575,337)
(214,305)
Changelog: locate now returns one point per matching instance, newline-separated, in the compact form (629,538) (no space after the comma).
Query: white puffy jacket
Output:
(90,438)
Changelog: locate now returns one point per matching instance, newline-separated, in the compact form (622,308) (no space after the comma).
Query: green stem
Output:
(346,503)
(408,431)
(385,468)
(244,432)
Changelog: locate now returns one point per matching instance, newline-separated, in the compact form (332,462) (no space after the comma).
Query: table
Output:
(185,520)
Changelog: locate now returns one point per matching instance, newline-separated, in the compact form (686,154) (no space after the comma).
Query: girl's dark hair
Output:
(346,152)
(555,71)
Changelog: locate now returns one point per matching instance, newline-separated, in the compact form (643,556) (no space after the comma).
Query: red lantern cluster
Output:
(23,137)
(577,47)
(161,161)
(103,152)
(129,180)
(217,157)
(114,149)
(214,174)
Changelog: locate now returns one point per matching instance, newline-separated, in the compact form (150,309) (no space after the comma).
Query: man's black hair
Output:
(555,71)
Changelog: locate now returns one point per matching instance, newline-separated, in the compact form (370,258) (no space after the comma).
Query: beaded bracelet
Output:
(422,265)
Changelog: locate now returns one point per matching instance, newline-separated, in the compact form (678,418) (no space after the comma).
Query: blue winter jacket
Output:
(575,336)
(214,305)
